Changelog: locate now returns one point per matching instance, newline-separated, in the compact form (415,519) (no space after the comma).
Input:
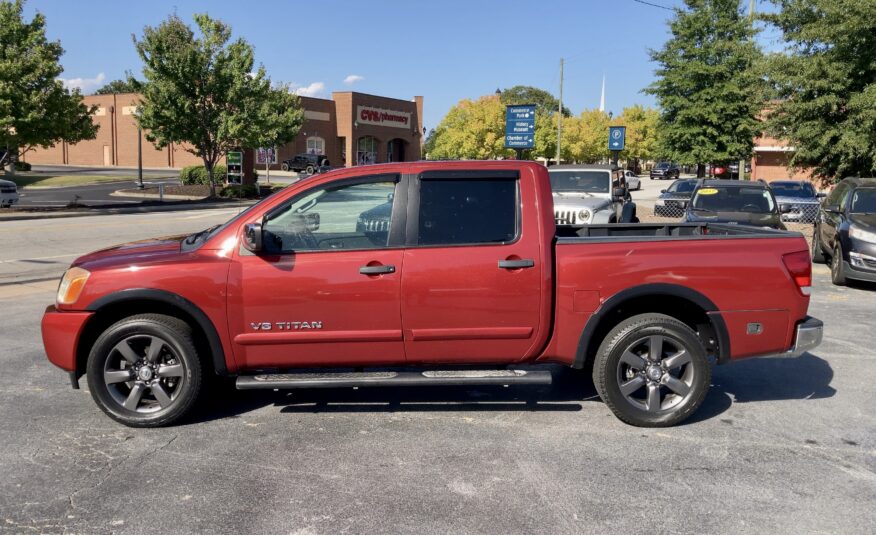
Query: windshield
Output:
(583,181)
(792,189)
(683,186)
(863,201)
(733,199)
(662,165)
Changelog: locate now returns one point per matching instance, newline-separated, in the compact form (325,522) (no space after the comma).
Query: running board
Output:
(393,378)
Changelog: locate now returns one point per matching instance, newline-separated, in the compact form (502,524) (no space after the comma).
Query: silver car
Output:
(584,195)
(797,199)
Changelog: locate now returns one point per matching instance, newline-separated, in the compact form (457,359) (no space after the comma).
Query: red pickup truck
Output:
(429,273)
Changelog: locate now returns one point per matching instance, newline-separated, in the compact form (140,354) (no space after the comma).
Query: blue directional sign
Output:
(616,137)
(520,126)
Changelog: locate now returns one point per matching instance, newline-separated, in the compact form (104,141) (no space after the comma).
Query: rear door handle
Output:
(376,270)
(516,264)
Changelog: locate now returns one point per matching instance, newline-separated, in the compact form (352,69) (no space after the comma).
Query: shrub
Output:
(197,174)
(22,166)
(235,191)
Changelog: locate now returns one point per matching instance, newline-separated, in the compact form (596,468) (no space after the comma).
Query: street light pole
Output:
(140,155)
(560,114)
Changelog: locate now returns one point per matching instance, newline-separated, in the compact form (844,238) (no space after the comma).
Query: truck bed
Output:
(663,231)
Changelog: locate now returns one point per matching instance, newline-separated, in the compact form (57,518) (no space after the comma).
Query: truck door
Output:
(473,279)
(325,291)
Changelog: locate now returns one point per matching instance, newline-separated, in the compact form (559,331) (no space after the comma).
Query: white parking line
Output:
(39,258)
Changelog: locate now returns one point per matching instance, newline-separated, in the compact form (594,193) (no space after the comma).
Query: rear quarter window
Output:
(468,211)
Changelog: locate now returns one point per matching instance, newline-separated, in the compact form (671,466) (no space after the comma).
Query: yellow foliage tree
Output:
(473,129)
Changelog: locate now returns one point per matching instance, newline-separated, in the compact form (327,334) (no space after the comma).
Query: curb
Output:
(126,210)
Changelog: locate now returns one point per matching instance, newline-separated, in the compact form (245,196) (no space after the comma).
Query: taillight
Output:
(799,266)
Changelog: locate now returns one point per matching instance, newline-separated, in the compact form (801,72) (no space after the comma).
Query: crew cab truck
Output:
(470,282)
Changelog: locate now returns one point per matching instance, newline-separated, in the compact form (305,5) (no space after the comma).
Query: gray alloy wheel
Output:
(837,270)
(143,371)
(651,370)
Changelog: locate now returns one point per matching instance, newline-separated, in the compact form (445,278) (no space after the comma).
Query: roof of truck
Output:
(577,167)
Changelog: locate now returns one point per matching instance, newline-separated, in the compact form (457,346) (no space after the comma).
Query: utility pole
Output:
(560,114)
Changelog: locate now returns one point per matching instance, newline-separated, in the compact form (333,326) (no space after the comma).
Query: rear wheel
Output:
(817,251)
(285,166)
(144,371)
(651,371)
(837,268)
(309,170)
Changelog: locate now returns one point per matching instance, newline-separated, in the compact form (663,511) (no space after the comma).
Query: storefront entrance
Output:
(395,150)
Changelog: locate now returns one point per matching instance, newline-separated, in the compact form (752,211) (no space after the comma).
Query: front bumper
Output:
(61,332)
(808,336)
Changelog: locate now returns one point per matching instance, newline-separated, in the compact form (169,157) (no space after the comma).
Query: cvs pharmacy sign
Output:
(381,117)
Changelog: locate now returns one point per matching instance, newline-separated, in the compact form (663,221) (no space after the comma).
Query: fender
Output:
(656,289)
(162,296)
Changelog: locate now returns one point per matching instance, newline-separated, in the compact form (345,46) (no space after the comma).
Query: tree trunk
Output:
(701,170)
(209,165)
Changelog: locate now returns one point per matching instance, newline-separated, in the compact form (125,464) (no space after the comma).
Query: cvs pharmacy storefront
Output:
(374,129)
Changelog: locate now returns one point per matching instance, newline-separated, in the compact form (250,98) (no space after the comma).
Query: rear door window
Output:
(468,211)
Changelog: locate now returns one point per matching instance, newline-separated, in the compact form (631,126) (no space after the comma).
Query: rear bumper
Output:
(808,336)
(61,332)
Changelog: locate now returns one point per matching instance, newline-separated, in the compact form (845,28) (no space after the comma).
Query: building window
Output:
(366,150)
(315,145)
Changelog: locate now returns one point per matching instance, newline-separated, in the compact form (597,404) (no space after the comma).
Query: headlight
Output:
(71,286)
(660,202)
(863,235)
(584,215)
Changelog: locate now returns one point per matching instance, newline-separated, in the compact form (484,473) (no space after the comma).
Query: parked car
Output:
(308,163)
(798,199)
(734,202)
(633,181)
(663,170)
(845,231)
(8,193)
(734,169)
(673,200)
(470,281)
(590,194)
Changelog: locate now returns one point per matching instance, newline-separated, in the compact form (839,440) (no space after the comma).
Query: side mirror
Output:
(832,208)
(820,195)
(662,191)
(619,192)
(784,208)
(252,237)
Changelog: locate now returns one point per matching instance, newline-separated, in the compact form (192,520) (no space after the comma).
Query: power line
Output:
(653,5)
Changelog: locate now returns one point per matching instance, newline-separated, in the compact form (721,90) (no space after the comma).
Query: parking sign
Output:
(616,137)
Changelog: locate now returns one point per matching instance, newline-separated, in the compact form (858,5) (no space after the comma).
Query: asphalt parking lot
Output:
(780,446)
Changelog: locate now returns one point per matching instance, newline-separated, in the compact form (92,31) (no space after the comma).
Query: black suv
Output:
(663,170)
(734,201)
(309,163)
(845,231)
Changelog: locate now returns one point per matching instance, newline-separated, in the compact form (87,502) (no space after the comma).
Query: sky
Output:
(444,50)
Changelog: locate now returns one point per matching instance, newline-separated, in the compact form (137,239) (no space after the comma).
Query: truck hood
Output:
(133,253)
(797,200)
(578,200)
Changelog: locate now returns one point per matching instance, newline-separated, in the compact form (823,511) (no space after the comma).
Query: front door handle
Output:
(376,270)
(516,264)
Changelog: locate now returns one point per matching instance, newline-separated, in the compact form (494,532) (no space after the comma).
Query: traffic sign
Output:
(520,126)
(616,137)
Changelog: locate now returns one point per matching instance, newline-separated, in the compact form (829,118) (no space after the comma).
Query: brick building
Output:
(770,161)
(349,129)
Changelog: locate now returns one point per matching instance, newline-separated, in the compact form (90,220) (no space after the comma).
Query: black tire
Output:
(837,268)
(309,170)
(285,166)
(817,252)
(166,392)
(687,370)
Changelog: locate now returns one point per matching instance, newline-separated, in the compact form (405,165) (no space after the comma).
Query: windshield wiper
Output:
(695,209)
(198,235)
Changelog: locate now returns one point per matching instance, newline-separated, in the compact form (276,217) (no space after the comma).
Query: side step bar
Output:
(393,378)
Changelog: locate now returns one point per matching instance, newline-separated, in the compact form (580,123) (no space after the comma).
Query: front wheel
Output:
(144,371)
(651,371)
(285,166)
(837,268)
(817,251)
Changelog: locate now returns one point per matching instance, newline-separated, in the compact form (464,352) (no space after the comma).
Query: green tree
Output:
(473,129)
(128,85)
(35,108)
(202,92)
(585,138)
(707,87)
(545,103)
(825,82)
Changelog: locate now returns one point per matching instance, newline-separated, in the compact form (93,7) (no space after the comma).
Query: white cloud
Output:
(86,85)
(312,90)
(353,78)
